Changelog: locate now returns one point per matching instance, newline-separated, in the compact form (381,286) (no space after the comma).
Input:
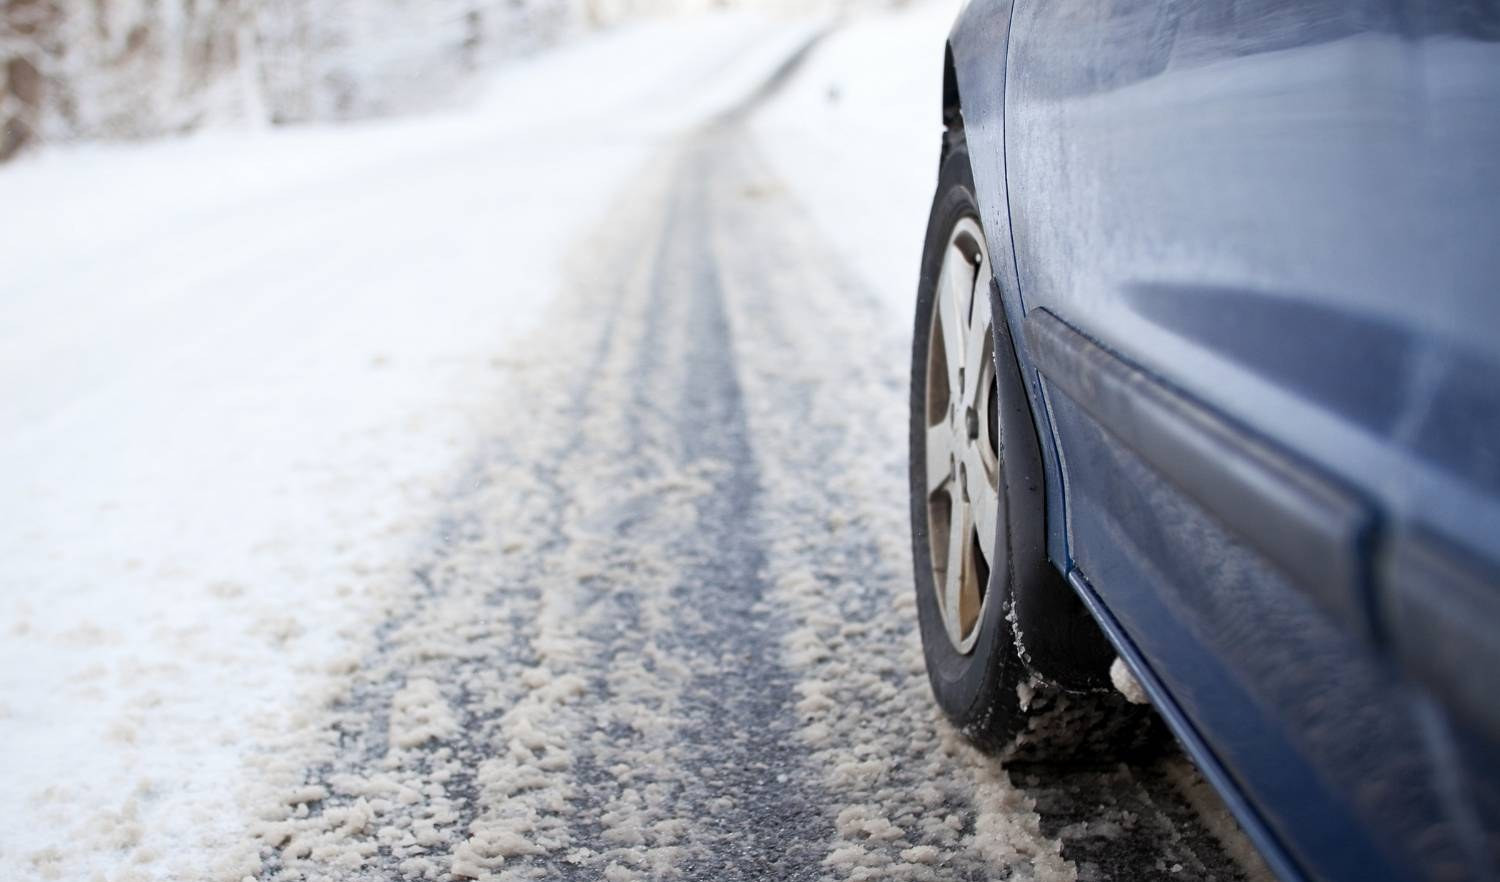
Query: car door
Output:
(1256,243)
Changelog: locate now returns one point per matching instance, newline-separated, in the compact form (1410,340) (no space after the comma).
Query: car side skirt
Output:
(1254,826)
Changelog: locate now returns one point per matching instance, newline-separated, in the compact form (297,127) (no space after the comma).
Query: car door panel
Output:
(1328,747)
(1283,215)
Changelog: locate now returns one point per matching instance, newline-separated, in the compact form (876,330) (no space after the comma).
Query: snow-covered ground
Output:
(856,136)
(239,374)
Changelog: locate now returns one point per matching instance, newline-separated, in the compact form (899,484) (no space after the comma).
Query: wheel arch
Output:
(1054,631)
(953,119)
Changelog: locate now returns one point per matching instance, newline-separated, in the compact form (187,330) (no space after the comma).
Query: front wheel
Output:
(978,518)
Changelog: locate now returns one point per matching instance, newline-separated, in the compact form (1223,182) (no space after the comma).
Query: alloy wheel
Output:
(962,455)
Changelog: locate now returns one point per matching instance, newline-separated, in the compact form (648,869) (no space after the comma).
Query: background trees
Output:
(135,68)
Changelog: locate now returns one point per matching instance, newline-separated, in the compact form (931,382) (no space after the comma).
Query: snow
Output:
(1126,684)
(856,136)
(241,373)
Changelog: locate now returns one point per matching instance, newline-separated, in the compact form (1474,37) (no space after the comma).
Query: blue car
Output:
(1205,409)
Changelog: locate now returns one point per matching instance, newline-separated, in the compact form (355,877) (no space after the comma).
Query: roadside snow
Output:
(856,136)
(240,374)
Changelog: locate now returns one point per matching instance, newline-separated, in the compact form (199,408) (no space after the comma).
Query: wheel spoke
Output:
(975,348)
(984,501)
(940,456)
(954,289)
(953,577)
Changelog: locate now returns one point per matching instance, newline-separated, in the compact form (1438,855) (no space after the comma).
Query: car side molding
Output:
(1315,530)
(1445,615)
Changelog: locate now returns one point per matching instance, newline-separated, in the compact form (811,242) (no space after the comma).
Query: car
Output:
(1205,408)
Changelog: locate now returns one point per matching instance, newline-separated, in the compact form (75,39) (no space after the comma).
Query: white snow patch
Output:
(420,713)
(1126,683)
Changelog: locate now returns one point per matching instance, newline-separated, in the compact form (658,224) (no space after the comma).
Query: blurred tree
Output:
(136,68)
(27,37)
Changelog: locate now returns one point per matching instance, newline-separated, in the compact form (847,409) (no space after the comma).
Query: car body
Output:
(1249,255)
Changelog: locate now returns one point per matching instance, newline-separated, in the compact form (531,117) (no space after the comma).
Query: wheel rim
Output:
(962,455)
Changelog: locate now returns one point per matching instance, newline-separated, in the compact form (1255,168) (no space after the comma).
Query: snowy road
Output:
(668,634)
(654,622)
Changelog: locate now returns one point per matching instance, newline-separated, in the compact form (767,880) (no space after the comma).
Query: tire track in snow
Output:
(1124,821)
(909,798)
(469,697)
(766,807)
(565,694)
(913,801)
(688,774)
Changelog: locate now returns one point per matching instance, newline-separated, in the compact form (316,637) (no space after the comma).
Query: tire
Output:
(974,451)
